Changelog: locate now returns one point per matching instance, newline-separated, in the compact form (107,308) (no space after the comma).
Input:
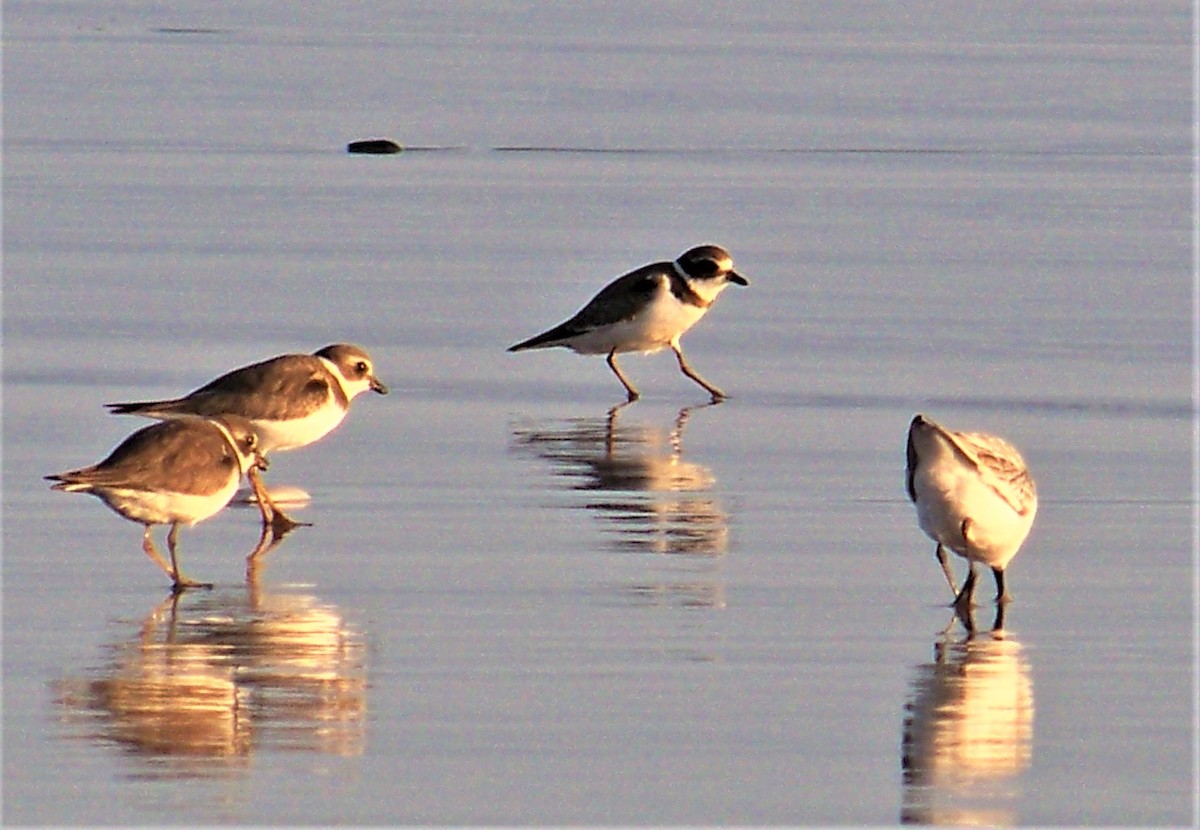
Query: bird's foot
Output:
(183,583)
(281,524)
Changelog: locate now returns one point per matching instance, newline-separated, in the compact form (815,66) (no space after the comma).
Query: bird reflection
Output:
(270,538)
(212,678)
(968,732)
(648,497)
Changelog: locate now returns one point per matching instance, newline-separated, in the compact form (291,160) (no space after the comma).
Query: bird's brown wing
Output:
(620,300)
(262,390)
(1000,466)
(165,456)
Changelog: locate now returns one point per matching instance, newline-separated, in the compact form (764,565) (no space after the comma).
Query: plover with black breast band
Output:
(292,401)
(177,472)
(647,310)
(974,495)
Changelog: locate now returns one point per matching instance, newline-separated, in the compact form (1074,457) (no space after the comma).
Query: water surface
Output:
(519,603)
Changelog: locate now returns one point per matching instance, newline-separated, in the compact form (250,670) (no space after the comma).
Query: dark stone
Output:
(376,146)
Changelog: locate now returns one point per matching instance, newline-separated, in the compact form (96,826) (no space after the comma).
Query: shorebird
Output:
(176,472)
(292,400)
(647,310)
(974,495)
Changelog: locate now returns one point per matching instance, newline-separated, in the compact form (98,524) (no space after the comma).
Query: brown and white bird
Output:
(974,495)
(177,472)
(292,400)
(647,310)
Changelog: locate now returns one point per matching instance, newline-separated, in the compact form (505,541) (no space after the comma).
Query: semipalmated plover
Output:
(179,471)
(647,310)
(974,495)
(292,400)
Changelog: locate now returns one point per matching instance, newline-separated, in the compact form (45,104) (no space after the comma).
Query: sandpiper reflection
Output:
(213,677)
(647,496)
(968,733)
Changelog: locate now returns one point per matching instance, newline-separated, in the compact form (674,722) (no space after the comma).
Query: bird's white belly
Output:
(996,531)
(299,432)
(654,329)
(166,507)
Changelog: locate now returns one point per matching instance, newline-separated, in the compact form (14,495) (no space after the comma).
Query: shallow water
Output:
(517,603)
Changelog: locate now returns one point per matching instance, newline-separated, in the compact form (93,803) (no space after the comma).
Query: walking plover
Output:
(180,471)
(292,400)
(647,310)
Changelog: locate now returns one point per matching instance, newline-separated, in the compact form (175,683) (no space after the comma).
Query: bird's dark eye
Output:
(362,367)
(709,267)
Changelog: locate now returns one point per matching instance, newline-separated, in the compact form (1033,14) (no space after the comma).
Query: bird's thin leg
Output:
(612,364)
(717,394)
(965,615)
(280,523)
(966,595)
(180,580)
(1002,596)
(998,622)
(265,505)
(155,556)
(942,559)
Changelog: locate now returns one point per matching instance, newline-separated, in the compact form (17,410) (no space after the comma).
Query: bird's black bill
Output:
(734,276)
(379,386)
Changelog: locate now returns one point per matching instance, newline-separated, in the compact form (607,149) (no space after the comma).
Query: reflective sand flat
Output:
(515,604)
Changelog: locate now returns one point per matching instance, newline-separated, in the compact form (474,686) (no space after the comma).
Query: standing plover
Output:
(647,310)
(292,400)
(180,471)
(974,495)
